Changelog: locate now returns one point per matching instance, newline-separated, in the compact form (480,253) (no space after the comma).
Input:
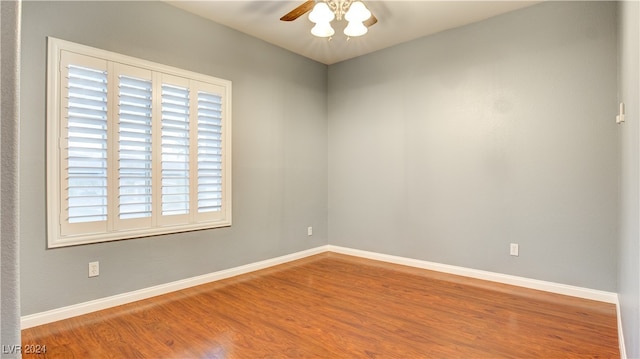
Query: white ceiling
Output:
(398,21)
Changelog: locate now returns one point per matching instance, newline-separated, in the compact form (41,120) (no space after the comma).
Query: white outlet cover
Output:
(513,249)
(94,269)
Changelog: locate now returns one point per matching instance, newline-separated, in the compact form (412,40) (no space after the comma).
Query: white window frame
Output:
(115,228)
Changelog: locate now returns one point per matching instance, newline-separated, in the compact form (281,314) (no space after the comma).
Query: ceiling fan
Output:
(324,11)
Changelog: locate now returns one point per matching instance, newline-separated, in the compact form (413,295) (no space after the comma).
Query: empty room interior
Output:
(468,192)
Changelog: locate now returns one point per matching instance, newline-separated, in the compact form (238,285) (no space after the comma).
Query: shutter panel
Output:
(134,151)
(134,148)
(86,144)
(209,152)
(175,150)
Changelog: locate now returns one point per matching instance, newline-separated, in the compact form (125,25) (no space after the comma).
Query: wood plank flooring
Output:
(337,306)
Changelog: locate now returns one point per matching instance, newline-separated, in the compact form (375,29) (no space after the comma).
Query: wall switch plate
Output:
(309,231)
(513,249)
(94,269)
(620,116)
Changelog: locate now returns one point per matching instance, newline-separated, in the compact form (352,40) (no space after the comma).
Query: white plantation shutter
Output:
(175,150)
(134,148)
(83,142)
(209,152)
(87,145)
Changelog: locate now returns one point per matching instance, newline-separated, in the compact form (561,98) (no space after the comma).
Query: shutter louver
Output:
(86,145)
(209,152)
(135,176)
(175,150)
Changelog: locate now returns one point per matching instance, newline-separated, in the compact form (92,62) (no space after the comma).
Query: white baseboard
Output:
(623,349)
(53,315)
(602,296)
(36,319)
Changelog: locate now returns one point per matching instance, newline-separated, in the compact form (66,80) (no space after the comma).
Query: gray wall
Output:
(629,256)
(279,151)
(9,174)
(449,147)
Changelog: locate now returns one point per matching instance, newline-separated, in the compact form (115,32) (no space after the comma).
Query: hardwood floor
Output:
(337,306)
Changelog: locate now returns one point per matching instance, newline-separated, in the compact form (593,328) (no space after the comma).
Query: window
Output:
(134,148)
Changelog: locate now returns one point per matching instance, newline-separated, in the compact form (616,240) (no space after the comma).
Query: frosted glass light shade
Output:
(355,28)
(321,13)
(357,12)
(323,29)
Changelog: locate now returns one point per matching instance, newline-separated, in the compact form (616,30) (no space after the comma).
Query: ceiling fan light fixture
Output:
(322,29)
(357,12)
(321,13)
(355,28)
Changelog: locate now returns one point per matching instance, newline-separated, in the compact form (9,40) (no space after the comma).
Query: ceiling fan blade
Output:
(299,11)
(370,21)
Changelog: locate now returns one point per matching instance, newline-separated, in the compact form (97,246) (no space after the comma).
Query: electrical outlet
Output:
(514,249)
(94,269)
(309,231)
